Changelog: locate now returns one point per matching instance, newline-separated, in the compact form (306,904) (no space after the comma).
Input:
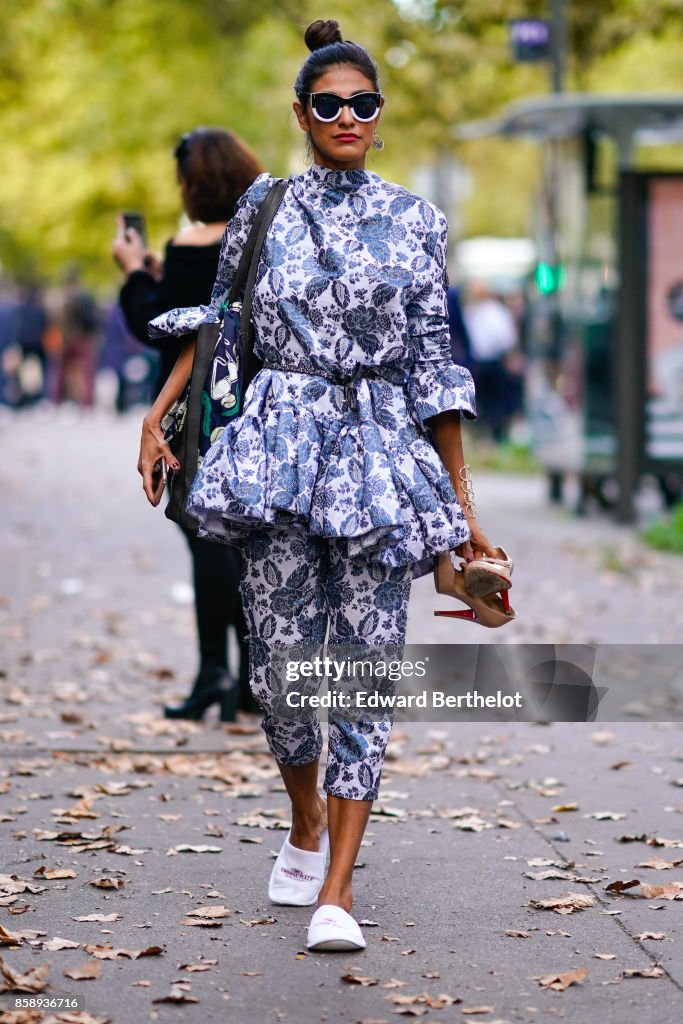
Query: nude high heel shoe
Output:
(490,610)
(488,574)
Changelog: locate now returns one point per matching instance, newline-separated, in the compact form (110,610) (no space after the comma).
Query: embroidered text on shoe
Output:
(297,874)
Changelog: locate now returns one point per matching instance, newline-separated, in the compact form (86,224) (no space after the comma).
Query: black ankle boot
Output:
(212,686)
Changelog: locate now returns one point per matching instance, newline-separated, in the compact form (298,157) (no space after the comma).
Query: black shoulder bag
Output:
(224,366)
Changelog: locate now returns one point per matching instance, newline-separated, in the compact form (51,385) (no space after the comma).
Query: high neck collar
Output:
(333,178)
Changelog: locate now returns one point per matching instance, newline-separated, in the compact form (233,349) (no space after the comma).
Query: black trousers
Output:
(216,570)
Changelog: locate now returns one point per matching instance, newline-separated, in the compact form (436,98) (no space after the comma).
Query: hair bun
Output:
(322,33)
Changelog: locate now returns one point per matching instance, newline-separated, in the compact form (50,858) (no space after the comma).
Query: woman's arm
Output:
(154,451)
(447,437)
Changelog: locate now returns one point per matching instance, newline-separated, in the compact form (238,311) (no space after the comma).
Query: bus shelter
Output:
(604,382)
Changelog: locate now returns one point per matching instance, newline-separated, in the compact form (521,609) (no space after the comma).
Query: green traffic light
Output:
(550,278)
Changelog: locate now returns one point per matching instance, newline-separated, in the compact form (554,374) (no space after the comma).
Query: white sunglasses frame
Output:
(348,102)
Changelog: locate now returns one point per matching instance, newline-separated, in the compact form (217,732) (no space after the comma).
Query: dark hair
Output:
(327,46)
(216,168)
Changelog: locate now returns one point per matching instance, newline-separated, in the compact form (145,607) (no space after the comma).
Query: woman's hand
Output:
(155,455)
(477,545)
(128,250)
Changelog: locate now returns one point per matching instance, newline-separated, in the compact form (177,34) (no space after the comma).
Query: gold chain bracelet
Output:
(469,505)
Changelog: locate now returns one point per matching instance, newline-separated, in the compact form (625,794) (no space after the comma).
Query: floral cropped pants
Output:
(293,588)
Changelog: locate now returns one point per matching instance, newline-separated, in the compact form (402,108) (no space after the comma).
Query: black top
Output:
(189,274)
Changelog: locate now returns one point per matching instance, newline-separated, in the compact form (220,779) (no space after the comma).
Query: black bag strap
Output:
(266,214)
(241,288)
(208,334)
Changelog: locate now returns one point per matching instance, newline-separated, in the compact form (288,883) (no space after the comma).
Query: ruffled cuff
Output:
(436,389)
(185,320)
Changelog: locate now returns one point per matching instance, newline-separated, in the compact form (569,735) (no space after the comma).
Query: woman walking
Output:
(213,169)
(342,477)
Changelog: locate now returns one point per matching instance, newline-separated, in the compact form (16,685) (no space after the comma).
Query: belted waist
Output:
(345,380)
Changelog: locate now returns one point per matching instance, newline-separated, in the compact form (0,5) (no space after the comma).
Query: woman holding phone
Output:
(213,169)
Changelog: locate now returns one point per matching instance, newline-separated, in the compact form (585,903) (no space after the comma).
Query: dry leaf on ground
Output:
(564,904)
(34,980)
(561,982)
(103,918)
(54,945)
(659,863)
(88,971)
(186,848)
(177,995)
(643,972)
(209,912)
(110,953)
(671,891)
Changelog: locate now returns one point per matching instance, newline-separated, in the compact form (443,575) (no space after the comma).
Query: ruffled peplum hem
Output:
(297,456)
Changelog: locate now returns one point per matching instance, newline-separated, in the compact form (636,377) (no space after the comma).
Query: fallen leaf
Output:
(671,891)
(104,918)
(53,873)
(110,953)
(89,971)
(357,979)
(561,982)
(34,980)
(659,863)
(514,934)
(186,848)
(551,873)
(477,1009)
(258,920)
(606,815)
(564,904)
(54,945)
(201,922)
(644,972)
(605,956)
(176,995)
(655,936)
(562,808)
(209,912)
(108,883)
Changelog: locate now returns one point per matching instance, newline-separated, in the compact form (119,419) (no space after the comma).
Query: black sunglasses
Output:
(327,106)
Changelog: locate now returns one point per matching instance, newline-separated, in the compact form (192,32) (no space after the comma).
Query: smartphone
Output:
(137,222)
(159,478)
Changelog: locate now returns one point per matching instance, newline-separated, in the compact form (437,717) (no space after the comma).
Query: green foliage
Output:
(667,534)
(95,93)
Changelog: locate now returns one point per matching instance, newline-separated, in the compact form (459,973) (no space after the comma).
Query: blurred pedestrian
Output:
(74,362)
(30,325)
(460,339)
(136,366)
(213,169)
(493,335)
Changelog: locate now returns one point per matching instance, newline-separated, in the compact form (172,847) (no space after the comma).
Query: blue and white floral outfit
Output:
(351,286)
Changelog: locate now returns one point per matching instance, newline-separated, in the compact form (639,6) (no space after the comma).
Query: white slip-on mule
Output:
(298,875)
(331,929)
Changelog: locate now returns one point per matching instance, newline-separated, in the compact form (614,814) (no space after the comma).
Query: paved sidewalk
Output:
(96,632)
